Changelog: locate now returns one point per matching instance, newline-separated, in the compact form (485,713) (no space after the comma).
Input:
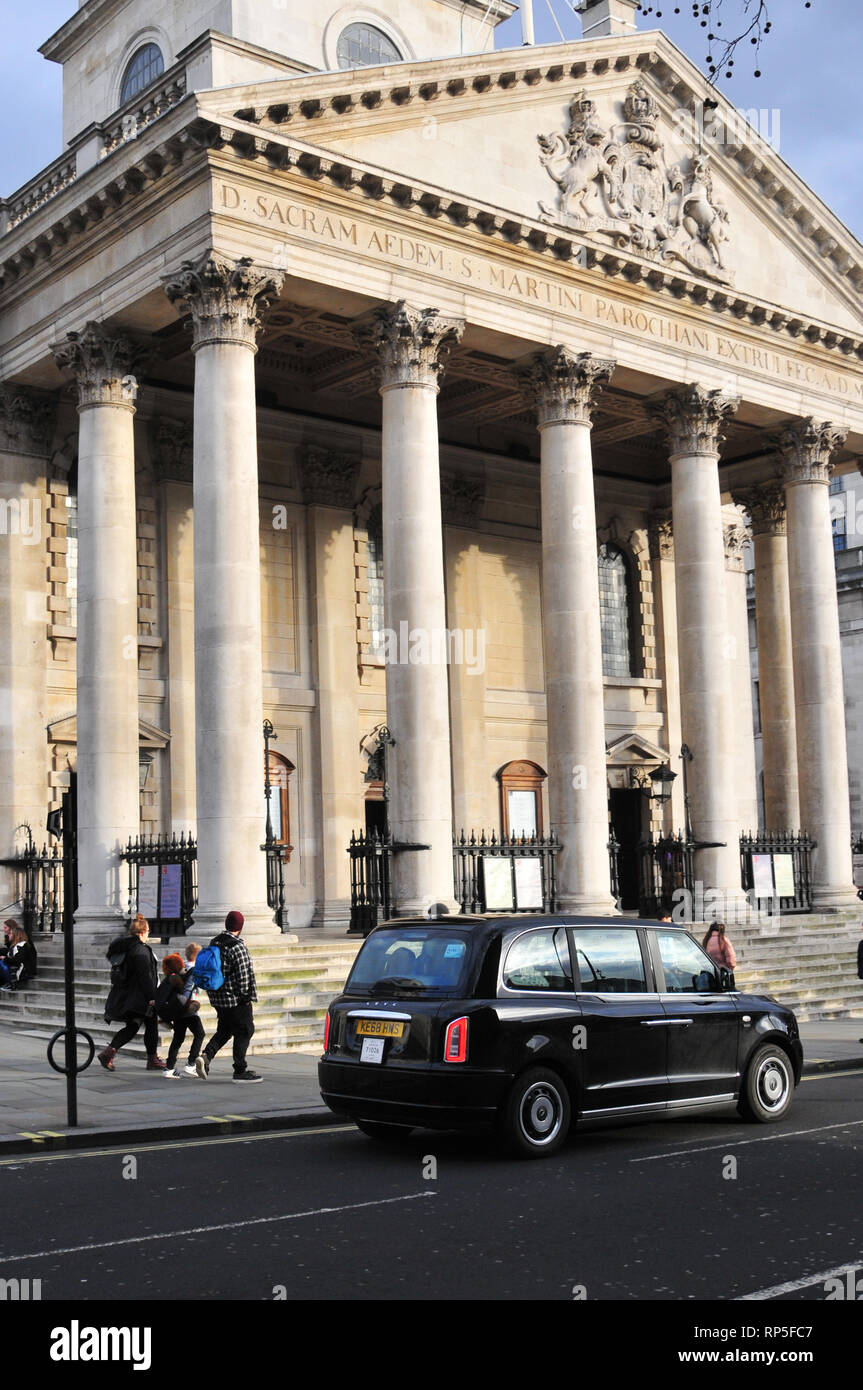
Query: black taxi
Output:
(531,1025)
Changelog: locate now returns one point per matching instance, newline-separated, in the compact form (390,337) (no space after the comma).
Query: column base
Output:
(95,924)
(335,915)
(419,907)
(259,925)
(828,897)
(588,905)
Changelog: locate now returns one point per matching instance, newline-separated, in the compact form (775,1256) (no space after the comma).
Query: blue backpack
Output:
(208,968)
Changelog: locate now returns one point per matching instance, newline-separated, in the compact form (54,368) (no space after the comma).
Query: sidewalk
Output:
(134,1105)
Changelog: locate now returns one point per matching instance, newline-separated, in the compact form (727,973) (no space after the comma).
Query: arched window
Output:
(363,46)
(615,607)
(144,67)
(280,806)
(375,528)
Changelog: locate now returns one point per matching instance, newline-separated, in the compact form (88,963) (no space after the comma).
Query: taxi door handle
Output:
(666,1022)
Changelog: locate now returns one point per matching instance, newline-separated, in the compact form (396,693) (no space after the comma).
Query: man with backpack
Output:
(224,969)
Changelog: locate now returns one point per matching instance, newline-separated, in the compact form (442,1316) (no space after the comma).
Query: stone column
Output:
(473,785)
(26,423)
(694,419)
(172,454)
(328,481)
(107,642)
(742,723)
(412,347)
(662,554)
(227,300)
(766,507)
(564,385)
(822,760)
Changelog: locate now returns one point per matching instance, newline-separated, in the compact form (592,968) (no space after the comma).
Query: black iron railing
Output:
(666,865)
(277,856)
(614,866)
(515,874)
(776,868)
(38,887)
(371,880)
(163,883)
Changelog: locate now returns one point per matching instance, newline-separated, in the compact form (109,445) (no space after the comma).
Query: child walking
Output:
(175,1005)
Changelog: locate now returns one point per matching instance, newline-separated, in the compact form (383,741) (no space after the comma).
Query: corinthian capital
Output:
(565,385)
(104,363)
(227,299)
(694,418)
(806,448)
(412,345)
(765,503)
(26,420)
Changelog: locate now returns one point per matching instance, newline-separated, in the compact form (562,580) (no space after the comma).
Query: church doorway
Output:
(626,811)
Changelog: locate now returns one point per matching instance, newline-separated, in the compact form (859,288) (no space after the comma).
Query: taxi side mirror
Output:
(726,979)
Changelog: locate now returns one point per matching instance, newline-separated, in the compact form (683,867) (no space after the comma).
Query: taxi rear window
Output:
(411,960)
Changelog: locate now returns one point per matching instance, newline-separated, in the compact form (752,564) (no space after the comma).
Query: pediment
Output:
(65,730)
(634,749)
(604,149)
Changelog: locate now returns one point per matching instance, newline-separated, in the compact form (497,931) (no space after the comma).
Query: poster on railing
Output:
(528,885)
(171,882)
(148,890)
(762,876)
(783,875)
(497,883)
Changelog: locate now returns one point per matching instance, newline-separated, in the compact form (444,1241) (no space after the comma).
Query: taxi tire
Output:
(375,1129)
(768,1086)
(535,1117)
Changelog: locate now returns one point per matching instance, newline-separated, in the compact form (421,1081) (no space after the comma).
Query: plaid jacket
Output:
(239,973)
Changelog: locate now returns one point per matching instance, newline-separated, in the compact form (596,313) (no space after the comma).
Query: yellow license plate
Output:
(379,1028)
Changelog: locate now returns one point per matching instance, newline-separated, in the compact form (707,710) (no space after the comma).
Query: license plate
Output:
(372,1050)
(379,1028)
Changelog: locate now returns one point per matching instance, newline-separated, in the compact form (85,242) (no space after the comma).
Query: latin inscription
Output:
(283,215)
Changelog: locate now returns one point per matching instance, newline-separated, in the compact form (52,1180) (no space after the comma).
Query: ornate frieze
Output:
(807,447)
(412,345)
(227,299)
(565,385)
(328,478)
(104,363)
(26,420)
(694,418)
(461,499)
(615,183)
(765,503)
(173,447)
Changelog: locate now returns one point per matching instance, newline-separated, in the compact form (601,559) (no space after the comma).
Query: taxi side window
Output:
(688,969)
(610,961)
(539,960)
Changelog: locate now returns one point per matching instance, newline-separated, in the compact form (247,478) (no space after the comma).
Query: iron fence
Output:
(371,880)
(784,858)
(167,899)
(39,887)
(666,865)
(277,856)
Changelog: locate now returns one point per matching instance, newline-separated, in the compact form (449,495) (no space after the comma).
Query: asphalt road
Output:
(637,1213)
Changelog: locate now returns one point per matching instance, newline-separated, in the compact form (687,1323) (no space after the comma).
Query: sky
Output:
(810,65)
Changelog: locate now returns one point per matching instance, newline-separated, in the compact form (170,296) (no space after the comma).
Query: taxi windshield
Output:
(410,960)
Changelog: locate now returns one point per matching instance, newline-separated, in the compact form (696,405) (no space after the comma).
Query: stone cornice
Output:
(26,420)
(564,385)
(807,447)
(411,345)
(140,166)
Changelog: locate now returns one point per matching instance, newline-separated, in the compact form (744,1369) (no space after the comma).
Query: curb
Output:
(836,1064)
(46,1141)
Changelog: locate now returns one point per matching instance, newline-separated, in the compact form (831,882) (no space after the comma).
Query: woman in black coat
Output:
(20,957)
(134,979)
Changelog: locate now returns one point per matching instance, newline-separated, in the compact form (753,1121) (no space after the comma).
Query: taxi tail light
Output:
(455,1041)
(327,1032)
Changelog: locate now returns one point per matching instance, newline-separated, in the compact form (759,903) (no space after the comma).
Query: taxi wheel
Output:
(375,1130)
(535,1117)
(768,1086)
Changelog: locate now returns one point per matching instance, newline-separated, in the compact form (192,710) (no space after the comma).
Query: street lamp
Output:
(270,736)
(686,755)
(655,785)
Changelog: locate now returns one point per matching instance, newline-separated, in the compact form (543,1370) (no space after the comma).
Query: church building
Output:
(417,397)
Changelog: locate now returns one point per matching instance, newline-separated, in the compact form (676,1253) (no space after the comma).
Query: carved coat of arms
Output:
(615,182)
